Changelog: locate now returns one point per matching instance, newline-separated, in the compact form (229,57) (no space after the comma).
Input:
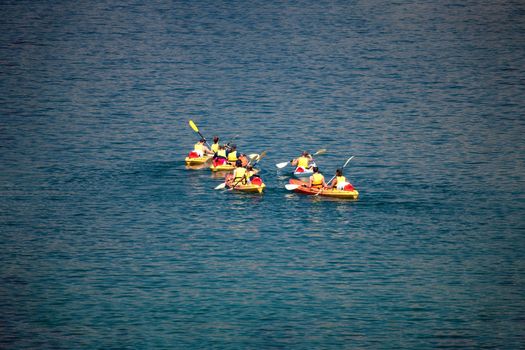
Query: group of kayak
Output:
(241,174)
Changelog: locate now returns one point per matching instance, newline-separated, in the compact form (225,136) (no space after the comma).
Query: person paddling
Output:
(252,177)
(303,161)
(244,159)
(232,154)
(215,145)
(220,157)
(201,149)
(317,179)
(340,182)
(238,177)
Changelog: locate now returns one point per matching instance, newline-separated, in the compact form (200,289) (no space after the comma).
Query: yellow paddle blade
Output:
(193,126)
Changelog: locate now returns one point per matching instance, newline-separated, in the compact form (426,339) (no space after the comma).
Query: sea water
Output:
(108,241)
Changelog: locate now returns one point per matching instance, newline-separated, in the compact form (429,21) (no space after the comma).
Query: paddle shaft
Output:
(346,163)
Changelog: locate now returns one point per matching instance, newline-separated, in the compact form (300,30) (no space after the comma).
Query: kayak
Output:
(222,167)
(250,188)
(301,172)
(196,161)
(327,192)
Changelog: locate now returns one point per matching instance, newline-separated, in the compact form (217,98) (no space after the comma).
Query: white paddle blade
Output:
(281,165)
(221,186)
(291,187)
(349,159)
(253,156)
(321,151)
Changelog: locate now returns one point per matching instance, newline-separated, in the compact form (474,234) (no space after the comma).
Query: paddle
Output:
(258,158)
(291,187)
(196,129)
(333,177)
(221,186)
(283,164)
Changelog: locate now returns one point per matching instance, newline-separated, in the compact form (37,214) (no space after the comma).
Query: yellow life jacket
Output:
(199,147)
(232,156)
(341,179)
(239,175)
(303,162)
(221,153)
(317,179)
(215,147)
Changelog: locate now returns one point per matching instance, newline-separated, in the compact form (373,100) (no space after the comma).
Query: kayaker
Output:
(215,145)
(303,161)
(317,179)
(220,157)
(232,154)
(244,159)
(201,149)
(252,177)
(340,182)
(238,177)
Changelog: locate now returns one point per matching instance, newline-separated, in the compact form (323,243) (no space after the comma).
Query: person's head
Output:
(222,147)
(339,172)
(202,141)
(249,167)
(315,169)
(233,146)
(305,154)
(215,139)
(238,163)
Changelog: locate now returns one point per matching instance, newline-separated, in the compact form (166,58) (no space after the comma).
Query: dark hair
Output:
(315,169)
(202,140)
(238,163)
(339,172)
(215,139)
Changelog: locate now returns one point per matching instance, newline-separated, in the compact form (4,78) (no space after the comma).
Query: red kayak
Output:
(302,187)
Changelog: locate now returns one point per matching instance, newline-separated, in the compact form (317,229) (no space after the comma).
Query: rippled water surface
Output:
(108,241)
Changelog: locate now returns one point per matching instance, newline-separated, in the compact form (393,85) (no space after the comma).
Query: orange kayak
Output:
(302,187)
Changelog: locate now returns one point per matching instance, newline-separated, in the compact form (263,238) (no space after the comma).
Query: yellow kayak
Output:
(250,188)
(197,160)
(222,167)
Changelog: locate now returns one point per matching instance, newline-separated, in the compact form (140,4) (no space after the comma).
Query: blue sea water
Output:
(108,241)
